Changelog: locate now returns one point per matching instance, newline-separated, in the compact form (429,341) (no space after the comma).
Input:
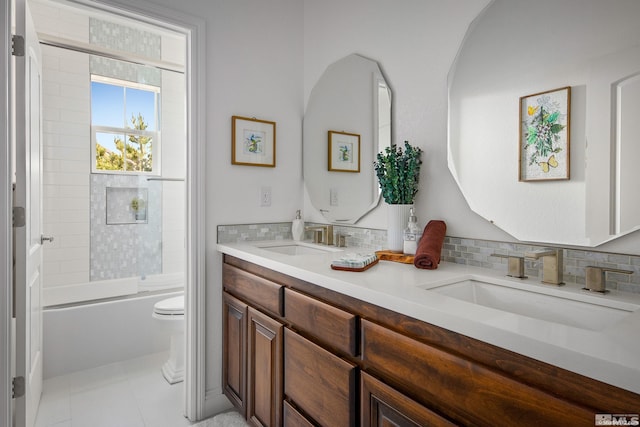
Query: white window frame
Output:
(156,144)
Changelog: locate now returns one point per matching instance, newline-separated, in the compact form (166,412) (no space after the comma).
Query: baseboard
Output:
(214,403)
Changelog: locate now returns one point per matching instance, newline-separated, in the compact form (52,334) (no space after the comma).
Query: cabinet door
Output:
(383,406)
(264,370)
(318,382)
(234,350)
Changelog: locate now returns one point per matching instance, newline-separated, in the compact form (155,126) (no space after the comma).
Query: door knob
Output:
(44,238)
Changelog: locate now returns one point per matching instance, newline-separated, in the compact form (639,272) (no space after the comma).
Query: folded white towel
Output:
(352,260)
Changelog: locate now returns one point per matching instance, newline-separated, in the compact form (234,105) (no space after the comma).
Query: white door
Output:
(28,244)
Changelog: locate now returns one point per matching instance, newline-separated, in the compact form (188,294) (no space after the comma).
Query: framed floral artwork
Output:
(344,151)
(253,142)
(544,135)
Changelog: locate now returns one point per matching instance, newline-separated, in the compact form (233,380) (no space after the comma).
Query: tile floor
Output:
(132,393)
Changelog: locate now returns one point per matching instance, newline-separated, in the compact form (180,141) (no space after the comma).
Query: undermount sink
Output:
(297,248)
(588,312)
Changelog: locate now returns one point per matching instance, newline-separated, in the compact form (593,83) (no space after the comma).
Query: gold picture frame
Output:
(253,142)
(344,152)
(544,152)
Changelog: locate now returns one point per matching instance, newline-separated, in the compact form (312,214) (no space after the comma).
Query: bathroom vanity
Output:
(305,345)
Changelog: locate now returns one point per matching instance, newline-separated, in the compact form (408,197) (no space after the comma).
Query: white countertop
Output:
(611,355)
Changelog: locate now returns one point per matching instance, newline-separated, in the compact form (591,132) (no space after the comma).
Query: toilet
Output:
(170,312)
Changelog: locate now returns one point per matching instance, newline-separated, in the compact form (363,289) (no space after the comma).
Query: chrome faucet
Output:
(515,266)
(551,265)
(595,280)
(322,234)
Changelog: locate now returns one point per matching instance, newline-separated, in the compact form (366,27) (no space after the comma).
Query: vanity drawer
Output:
(253,289)
(385,406)
(332,326)
(466,392)
(292,418)
(321,384)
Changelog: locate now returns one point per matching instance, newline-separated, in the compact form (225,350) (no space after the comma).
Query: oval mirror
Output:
(346,123)
(517,48)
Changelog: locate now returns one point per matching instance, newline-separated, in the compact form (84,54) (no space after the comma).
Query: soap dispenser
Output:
(297,227)
(412,234)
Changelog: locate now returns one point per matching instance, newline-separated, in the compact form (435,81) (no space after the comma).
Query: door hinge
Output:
(17,44)
(18,387)
(18,217)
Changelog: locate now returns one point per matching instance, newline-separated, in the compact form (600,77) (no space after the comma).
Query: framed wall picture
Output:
(544,135)
(253,142)
(344,151)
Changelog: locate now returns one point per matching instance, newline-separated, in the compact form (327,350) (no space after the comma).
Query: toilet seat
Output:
(169,307)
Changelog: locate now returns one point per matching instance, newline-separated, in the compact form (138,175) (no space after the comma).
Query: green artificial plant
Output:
(398,173)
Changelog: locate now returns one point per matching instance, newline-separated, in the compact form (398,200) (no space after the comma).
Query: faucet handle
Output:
(328,239)
(317,236)
(595,280)
(515,265)
(341,240)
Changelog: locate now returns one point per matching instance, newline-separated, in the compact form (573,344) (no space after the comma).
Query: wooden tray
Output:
(366,267)
(395,257)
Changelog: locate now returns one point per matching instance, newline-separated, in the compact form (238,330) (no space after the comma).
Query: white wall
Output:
(254,60)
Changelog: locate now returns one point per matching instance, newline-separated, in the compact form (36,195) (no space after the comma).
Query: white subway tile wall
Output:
(66,166)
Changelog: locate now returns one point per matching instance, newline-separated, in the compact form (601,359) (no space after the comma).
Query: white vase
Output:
(397,218)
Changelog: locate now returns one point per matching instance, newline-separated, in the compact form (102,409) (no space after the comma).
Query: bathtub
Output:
(101,289)
(87,335)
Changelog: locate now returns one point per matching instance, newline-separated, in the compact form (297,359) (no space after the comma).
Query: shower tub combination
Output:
(89,334)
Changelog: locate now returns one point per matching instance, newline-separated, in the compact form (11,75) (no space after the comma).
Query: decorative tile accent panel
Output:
(361,238)
(365,239)
(123,38)
(473,252)
(124,250)
(254,232)
(479,253)
(125,71)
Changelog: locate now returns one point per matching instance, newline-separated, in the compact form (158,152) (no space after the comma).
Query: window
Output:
(124,126)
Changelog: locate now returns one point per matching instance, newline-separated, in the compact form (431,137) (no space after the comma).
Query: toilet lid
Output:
(173,306)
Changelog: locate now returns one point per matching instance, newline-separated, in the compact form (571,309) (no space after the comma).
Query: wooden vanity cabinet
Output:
(346,362)
(252,343)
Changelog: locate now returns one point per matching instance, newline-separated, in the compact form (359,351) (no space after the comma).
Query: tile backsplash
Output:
(473,252)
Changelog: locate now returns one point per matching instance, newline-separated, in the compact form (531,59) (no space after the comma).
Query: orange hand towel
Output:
(430,245)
